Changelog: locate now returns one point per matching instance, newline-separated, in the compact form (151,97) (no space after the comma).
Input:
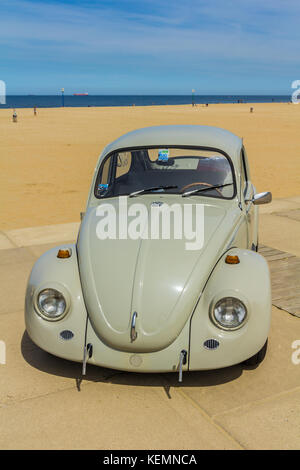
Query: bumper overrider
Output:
(202,344)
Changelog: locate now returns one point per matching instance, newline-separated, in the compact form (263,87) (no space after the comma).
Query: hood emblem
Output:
(156,203)
(133,333)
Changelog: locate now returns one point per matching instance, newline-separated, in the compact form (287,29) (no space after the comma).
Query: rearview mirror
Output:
(262,198)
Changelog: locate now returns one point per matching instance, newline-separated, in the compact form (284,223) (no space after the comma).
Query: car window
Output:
(123,163)
(105,172)
(244,178)
(188,169)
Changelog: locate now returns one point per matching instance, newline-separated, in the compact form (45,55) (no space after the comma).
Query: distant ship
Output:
(80,94)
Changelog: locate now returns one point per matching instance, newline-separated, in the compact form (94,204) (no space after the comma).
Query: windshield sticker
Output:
(163,155)
(102,187)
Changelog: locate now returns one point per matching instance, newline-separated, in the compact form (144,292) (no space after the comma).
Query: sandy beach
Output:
(47,161)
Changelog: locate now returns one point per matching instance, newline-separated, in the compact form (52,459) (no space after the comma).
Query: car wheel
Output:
(257,358)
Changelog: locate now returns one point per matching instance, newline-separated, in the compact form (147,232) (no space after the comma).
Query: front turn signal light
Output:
(232,259)
(64,253)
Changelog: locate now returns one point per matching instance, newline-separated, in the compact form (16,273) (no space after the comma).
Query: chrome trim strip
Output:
(133,333)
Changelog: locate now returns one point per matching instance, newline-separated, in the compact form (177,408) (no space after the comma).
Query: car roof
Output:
(181,135)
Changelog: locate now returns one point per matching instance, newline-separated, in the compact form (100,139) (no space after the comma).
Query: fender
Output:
(250,282)
(63,275)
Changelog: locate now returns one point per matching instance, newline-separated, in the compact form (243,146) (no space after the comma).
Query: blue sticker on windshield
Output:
(163,155)
(102,187)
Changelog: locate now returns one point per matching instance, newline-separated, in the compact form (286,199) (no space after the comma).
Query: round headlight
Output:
(51,303)
(229,313)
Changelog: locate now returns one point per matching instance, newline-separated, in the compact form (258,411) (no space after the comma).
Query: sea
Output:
(56,101)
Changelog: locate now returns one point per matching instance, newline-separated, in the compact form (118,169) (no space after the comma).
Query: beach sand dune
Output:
(47,161)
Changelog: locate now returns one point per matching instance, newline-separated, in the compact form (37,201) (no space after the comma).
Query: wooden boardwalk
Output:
(285,279)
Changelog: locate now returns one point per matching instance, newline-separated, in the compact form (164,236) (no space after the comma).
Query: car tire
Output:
(257,358)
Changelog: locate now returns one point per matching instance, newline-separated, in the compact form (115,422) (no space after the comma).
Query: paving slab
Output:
(267,424)
(15,256)
(295,199)
(107,416)
(291,214)
(5,242)
(280,232)
(44,234)
(281,204)
(21,377)
(13,280)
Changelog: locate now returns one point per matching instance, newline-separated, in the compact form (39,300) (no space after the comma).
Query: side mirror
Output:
(262,198)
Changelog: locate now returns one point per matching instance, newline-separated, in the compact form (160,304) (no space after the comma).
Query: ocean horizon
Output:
(56,101)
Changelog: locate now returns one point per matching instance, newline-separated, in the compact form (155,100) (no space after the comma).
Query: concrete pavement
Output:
(43,406)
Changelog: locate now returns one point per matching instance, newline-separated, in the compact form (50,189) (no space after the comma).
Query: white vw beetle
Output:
(134,301)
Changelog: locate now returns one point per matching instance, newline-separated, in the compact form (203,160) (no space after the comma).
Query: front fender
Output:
(50,271)
(249,281)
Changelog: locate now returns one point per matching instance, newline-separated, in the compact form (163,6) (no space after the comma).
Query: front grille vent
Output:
(66,335)
(211,344)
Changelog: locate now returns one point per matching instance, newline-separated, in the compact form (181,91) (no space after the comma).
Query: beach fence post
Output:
(193,97)
(62,97)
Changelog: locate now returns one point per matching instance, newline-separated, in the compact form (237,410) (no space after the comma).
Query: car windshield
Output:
(166,170)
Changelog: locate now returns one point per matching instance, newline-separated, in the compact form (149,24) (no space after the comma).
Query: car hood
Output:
(159,279)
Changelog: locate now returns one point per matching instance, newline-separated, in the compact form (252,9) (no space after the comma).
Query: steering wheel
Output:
(187,186)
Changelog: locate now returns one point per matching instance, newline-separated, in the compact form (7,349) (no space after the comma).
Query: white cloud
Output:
(245,32)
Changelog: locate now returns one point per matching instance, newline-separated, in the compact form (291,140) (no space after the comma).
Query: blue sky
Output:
(149,46)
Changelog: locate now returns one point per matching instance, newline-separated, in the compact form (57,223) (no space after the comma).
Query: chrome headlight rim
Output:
(219,325)
(54,287)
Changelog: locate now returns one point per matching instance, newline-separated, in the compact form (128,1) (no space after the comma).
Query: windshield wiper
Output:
(154,188)
(194,191)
